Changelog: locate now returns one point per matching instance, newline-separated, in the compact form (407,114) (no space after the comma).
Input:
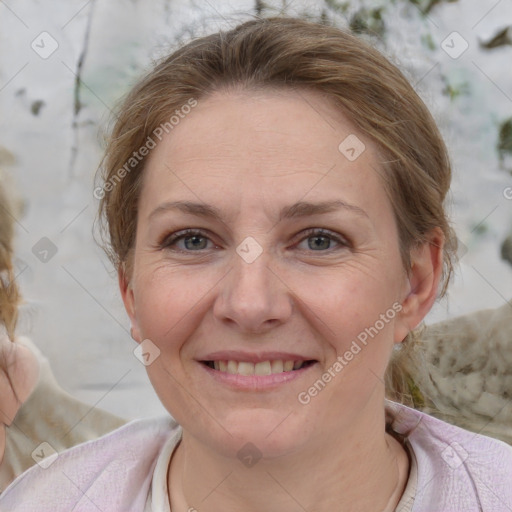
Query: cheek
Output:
(166,302)
(351,297)
(354,310)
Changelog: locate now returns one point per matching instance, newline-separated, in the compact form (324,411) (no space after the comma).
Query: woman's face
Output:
(293,256)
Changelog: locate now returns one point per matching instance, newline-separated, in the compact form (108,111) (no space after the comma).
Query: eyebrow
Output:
(294,211)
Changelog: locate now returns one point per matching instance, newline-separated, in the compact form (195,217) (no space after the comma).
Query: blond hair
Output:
(290,52)
(9,292)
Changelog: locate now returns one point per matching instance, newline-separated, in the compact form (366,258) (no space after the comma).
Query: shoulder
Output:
(457,469)
(113,472)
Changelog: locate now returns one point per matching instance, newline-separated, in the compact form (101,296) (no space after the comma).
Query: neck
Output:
(350,473)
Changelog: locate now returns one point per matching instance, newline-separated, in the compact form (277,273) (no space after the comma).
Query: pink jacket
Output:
(457,470)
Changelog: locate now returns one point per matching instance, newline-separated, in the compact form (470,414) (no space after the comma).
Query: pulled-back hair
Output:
(288,52)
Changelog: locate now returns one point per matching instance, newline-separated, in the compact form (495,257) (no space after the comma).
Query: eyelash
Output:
(170,240)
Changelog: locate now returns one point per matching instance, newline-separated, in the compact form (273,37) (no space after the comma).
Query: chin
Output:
(272,433)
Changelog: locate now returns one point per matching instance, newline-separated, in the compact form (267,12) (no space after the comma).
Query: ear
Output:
(126,288)
(424,277)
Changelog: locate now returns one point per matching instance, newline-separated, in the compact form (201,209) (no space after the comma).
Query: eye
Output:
(320,240)
(193,240)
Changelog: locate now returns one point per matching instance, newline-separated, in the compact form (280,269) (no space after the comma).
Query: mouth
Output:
(248,368)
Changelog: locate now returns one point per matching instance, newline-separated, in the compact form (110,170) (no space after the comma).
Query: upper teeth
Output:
(262,368)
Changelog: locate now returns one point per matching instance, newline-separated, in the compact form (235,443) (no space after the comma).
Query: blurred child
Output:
(33,408)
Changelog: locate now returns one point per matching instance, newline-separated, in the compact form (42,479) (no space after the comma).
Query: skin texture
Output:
(19,373)
(249,154)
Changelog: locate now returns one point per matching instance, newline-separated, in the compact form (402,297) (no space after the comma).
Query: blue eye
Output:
(191,237)
(322,239)
(195,240)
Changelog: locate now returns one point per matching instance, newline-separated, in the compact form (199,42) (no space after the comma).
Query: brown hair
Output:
(290,52)
(9,292)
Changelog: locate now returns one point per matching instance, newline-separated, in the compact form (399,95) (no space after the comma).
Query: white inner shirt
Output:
(158,498)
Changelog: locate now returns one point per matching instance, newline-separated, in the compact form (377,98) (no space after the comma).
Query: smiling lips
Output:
(247,368)
(249,372)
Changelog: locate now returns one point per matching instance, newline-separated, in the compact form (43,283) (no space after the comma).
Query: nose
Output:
(253,297)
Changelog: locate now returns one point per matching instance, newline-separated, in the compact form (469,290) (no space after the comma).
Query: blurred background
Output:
(65,64)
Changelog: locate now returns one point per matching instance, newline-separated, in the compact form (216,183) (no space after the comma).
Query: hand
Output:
(19,373)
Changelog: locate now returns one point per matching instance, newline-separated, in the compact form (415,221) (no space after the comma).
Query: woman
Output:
(273,198)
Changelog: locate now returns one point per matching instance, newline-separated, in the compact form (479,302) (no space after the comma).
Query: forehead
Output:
(275,122)
(251,144)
